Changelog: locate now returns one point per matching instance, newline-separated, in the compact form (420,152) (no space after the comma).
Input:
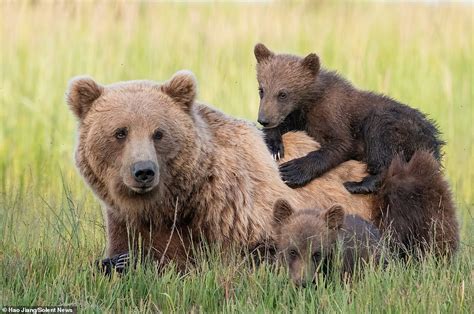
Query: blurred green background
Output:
(420,54)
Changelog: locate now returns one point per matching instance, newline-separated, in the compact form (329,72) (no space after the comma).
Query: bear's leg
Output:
(118,237)
(381,140)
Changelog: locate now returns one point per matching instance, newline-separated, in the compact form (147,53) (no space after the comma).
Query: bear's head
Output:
(285,82)
(306,238)
(133,136)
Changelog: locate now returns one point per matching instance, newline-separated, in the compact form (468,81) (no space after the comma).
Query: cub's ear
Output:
(334,217)
(82,92)
(182,87)
(262,53)
(282,210)
(311,62)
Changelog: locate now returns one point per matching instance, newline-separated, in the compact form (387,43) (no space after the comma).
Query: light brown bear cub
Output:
(313,241)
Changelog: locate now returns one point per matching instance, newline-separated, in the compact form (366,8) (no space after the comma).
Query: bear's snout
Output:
(268,117)
(144,172)
(263,121)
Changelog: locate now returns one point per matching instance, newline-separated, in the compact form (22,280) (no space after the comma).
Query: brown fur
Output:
(297,145)
(297,94)
(307,241)
(415,206)
(215,173)
(414,210)
(415,201)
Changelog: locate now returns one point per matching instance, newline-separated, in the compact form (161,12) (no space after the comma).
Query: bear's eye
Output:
(260,92)
(121,133)
(316,258)
(157,135)
(282,95)
(292,253)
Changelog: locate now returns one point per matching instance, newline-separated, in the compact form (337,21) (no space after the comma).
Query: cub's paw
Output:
(369,184)
(358,187)
(276,149)
(295,173)
(118,263)
(275,146)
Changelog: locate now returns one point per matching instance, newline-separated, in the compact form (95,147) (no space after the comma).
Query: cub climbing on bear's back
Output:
(296,94)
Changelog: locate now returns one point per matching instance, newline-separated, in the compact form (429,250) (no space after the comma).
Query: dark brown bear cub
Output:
(415,208)
(308,241)
(296,94)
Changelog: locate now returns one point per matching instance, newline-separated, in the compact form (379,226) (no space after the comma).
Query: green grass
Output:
(50,224)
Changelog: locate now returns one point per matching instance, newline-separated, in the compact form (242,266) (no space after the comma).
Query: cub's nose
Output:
(263,122)
(144,171)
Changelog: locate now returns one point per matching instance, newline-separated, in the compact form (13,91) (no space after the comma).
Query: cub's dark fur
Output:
(414,206)
(296,94)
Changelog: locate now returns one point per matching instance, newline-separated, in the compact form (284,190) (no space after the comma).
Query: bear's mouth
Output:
(270,127)
(141,189)
(136,189)
(274,125)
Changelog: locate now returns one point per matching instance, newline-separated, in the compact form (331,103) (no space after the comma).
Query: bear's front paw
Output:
(118,263)
(275,146)
(295,173)
(357,187)
(368,185)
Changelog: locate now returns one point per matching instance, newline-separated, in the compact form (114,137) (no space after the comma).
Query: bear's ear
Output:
(82,92)
(262,53)
(282,210)
(311,62)
(334,217)
(182,88)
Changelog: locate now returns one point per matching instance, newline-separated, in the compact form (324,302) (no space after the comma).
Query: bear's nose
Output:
(263,122)
(144,171)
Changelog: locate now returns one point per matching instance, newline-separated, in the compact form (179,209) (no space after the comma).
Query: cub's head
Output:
(284,83)
(306,238)
(131,132)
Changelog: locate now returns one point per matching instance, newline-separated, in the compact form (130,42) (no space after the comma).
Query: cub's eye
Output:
(121,133)
(316,258)
(260,92)
(282,95)
(157,135)
(292,253)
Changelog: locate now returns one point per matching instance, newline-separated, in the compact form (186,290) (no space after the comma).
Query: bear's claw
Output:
(122,262)
(275,145)
(116,263)
(276,156)
(276,150)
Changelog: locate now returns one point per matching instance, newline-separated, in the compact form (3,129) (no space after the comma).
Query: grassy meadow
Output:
(51,226)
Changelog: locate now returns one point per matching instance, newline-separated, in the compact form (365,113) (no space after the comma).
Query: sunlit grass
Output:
(419,54)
